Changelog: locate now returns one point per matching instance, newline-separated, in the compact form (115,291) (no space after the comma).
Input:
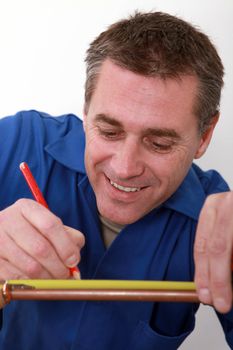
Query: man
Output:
(151,105)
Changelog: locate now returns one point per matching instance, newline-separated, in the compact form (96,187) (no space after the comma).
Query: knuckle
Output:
(217,246)
(50,224)
(210,200)
(25,205)
(33,269)
(216,198)
(227,197)
(22,202)
(41,249)
(81,240)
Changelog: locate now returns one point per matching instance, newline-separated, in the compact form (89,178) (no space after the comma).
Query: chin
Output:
(120,214)
(122,221)
(120,218)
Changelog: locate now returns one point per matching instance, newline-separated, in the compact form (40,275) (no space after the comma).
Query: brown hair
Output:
(157,44)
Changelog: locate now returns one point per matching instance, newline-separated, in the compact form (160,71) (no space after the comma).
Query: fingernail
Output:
(72,261)
(204,295)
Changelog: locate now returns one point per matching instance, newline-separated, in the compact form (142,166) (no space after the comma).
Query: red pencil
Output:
(74,271)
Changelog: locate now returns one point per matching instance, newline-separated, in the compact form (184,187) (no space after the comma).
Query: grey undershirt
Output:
(109,230)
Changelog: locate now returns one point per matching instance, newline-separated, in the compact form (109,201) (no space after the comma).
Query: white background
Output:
(42,49)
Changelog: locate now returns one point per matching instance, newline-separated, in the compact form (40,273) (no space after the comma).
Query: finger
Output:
(9,271)
(52,228)
(76,236)
(220,275)
(205,227)
(22,261)
(40,250)
(25,235)
(220,253)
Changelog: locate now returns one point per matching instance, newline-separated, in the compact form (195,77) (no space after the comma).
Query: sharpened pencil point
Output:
(76,275)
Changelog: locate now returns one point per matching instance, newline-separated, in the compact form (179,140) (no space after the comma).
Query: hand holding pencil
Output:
(35,244)
(74,271)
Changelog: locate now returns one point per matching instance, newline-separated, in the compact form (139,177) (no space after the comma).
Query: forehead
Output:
(127,96)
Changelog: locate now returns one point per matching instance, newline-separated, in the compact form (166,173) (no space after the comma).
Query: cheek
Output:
(172,167)
(96,151)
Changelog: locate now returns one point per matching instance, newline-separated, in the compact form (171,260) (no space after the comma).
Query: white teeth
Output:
(125,189)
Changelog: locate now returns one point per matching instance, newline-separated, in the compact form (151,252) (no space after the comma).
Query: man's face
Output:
(141,138)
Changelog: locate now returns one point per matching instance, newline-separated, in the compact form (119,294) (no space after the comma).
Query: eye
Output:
(110,134)
(158,145)
(161,147)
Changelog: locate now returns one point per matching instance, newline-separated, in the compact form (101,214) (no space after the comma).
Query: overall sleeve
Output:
(15,140)
(23,137)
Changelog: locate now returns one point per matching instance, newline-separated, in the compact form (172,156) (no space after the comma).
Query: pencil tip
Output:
(76,275)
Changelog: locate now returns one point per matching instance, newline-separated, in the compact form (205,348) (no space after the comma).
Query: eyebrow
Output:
(107,119)
(160,132)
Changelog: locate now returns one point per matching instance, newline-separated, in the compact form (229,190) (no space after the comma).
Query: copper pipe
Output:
(104,294)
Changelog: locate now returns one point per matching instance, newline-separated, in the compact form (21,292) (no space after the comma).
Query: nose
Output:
(127,161)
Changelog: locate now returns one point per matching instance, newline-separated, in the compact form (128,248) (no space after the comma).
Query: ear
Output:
(206,137)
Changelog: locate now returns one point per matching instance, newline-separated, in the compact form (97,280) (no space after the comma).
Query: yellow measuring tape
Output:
(104,284)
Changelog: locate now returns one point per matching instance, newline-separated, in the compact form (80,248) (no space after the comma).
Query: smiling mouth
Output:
(125,189)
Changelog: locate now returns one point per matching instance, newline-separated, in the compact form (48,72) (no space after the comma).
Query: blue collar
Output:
(189,197)
(69,151)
